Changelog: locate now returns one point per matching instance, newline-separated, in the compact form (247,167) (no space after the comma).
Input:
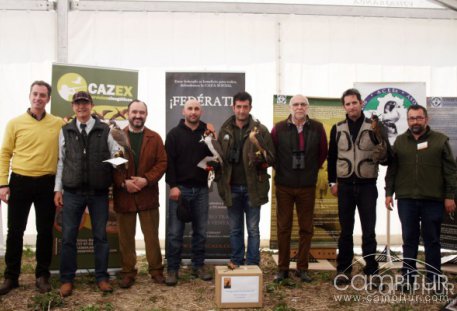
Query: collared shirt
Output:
(29,111)
(299,126)
(112,145)
(301,136)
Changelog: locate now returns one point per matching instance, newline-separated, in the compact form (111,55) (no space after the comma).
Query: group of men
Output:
(57,165)
(421,173)
(65,168)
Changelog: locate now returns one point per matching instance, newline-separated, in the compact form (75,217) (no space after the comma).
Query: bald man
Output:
(301,149)
(188,186)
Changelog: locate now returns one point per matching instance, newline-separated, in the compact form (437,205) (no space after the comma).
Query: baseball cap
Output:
(81,95)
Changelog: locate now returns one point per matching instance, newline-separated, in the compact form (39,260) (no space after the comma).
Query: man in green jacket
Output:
(244,184)
(423,177)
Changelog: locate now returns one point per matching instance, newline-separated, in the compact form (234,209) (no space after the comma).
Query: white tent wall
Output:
(288,54)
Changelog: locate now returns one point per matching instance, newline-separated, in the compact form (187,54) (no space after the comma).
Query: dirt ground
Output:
(194,294)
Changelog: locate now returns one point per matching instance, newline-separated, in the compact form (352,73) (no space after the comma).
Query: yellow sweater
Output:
(31,145)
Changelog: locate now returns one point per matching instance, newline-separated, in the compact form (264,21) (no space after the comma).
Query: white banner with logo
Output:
(389,101)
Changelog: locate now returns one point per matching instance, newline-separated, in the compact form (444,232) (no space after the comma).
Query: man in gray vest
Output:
(355,150)
(84,144)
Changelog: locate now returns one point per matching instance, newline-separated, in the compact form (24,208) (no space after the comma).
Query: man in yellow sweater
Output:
(31,145)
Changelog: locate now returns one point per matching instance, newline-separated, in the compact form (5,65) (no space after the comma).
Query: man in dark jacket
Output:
(188,185)
(423,177)
(353,158)
(244,183)
(136,192)
(84,144)
(301,149)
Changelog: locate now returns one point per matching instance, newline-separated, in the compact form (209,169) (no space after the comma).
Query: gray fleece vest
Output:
(355,157)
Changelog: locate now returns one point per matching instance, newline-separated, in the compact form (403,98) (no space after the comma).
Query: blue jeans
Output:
(73,209)
(198,198)
(363,196)
(240,206)
(421,216)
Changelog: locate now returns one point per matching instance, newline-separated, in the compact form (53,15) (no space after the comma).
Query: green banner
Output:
(326,225)
(111,91)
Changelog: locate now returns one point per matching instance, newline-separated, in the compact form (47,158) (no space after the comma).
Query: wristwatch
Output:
(331,184)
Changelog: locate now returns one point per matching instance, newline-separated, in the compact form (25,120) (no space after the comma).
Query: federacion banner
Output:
(441,118)
(111,91)
(326,225)
(214,90)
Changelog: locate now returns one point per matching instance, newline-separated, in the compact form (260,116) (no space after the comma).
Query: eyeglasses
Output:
(295,105)
(419,118)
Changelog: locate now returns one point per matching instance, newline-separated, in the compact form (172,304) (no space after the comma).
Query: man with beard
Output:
(423,177)
(136,192)
(188,185)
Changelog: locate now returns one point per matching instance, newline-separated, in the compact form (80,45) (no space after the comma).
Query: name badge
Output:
(423,145)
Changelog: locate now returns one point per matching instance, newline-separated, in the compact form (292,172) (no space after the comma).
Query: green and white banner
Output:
(111,91)
(389,101)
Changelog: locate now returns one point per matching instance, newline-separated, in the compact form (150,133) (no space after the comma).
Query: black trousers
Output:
(24,191)
(363,197)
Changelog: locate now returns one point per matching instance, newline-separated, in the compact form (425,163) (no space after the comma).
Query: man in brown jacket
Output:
(136,191)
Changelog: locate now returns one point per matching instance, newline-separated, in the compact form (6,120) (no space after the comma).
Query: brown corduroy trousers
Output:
(303,198)
(149,221)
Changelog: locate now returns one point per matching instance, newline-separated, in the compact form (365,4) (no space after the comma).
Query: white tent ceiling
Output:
(318,50)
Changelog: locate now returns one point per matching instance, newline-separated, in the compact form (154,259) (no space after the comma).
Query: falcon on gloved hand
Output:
(122,140)
(380,150)
(257,157)
(209,138)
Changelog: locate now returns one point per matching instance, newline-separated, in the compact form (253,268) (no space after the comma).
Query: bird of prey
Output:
(209,138)
(258,152)
(376,126)
(380,150)
(122,140)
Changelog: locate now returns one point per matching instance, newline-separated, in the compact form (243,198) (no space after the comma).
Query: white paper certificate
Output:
(239,289)
(116,161)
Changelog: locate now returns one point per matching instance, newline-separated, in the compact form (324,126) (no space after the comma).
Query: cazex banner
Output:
(111,91)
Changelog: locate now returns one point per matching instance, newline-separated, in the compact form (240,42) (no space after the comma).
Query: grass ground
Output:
(194,294)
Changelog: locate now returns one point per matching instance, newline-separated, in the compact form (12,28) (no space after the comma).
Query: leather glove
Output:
(379,153)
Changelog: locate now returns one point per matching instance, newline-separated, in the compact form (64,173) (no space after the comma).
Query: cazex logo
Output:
(110,89)
(69,84)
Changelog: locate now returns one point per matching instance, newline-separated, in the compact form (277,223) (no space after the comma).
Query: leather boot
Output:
(8,285)
(42,284)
